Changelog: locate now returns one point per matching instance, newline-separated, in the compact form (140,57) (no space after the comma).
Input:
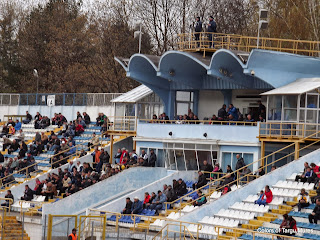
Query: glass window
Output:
(130,110)
(312,101)
(303,100)
(160,158)
(226,160)
(204,155)
(170,160)
(302,116)
(181,165)
(191,159)
(183,96)
(248,159)
(311,116)
(290,115)
(182,108)
(290,101)
(275,107)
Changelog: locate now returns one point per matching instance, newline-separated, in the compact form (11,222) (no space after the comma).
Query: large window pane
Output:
(248,159)
(170,160)
(290,101)
(311,116)
(183,96)
(225,161)
(275,108)
(191,159)
(182,108)
(181,165)
(303,100)
(290,115)
(312,101)
(302,116)
(161,158)
(204,155)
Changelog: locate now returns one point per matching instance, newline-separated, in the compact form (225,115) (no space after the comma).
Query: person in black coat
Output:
(197,30)
(181,188)
(212,28)
(127,208)
(315,215)
(222,113)
(1,158)
(201,181)
(28,194)
(207,168)
(152,158)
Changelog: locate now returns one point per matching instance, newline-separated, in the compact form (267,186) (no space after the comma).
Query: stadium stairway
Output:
(12,229)
(237,209)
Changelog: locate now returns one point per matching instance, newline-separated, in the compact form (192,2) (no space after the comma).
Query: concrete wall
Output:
(241,134)
(8,110)
(209,103)
(131,178)
(254,187)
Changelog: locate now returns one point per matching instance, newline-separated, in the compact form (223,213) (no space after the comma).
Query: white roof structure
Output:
(134,95)
(297,87)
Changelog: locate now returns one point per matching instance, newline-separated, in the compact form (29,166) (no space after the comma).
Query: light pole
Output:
(138,33)
(263,23)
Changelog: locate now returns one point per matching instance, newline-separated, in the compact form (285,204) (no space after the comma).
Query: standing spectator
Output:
(144,155)
(207,168)
(197,29)
(28,118)
(233,112)
(262,109)
(152,158)
(222,113)
(315,215)
(127,208)
(104,158)
(240,162)
(117,156)
(212,28)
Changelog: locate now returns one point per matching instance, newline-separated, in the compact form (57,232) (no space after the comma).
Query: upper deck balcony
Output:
(187,42)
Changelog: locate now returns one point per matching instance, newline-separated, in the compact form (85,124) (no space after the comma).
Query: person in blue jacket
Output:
(17,127)
(136,206)
(233,111)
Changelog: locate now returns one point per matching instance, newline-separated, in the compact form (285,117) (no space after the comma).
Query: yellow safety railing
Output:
(288,130)
(50,223)
(215,185)
(10,200)
(118,123)
(14,117)
(187,42)
(195,122)
(26,170)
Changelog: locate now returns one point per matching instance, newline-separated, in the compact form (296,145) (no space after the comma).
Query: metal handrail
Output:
(195,122)
(186,42)
(10,203)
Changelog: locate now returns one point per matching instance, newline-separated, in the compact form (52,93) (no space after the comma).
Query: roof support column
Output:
(169,104)
(195,102)
(227,96)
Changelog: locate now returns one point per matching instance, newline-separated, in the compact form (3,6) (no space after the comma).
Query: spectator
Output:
(17,127)
(217,171)
(7,202)
(207,168)
(94,141)
(303,200)
(315,215)
(171,195)
(245,175)
(13,147)
(6,142)
(233,112)
(316,170)
(201,199)
(70,166)
(152,158)
(288,226)
(181,188)
(260,172)
(142,162)
(201,181)
(262,109)
(117,156)
(86,118)
(103,159)
(158,202)
(249,118)
(240,162)
(144,155)
(128,207)
(12,130)
(147,199)
(72,150)
(212,28)
(197,29)
(28,194)
(298,177)
(28,118)
(230,171)
(222,113)
(266,197)
(136,206)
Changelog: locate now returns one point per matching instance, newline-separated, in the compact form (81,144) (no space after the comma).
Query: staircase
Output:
(12,229)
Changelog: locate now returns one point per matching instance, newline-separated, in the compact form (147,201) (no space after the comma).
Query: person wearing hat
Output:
(136,206)
(73,235)
(212,28)
(197,30)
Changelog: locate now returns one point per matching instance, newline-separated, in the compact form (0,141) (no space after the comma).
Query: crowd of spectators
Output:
(224,114)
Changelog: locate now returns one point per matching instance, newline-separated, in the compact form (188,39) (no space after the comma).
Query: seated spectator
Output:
(249,118)
(70,166)
(217,171)
(158,202)
(233,112)
(316,170)
(288,226)
(49,191)
(6,142)
(309,176)
(181,188)
(179,121)
(28,194)
(5,131)
(8,178)
(171,194)
(298,177)
(132,162)
(94,141)
(226,188)
(315,215)
(227,180)
(128,207)
(71,190)
(146,200)
(17,127)
(245,175)
(44,139)
(100,119)
(12,130)
(103,159)
(144,155)
(266,197)
(207,168)
(201,199)
(260,172)
(303,200)
(20,136)
(72,150)
(142,162)
(86,118)
(79,129)
(28,118)
(14,146)
(79,167)
(7,202)
(214,120)
(136,206)
(229,170)
(117,156)
(201,181)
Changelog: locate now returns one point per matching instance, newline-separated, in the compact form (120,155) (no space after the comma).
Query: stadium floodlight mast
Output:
(36,75)
(263,23)
(138,25)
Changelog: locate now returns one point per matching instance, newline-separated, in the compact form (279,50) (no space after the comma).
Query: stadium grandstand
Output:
(220,141)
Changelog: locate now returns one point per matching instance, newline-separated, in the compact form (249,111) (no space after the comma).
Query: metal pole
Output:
(68,228)
(118,234)
(22,225)
(145,234)
(2,230)
(92,231)
(258,32)
(140,36)
(45,226)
